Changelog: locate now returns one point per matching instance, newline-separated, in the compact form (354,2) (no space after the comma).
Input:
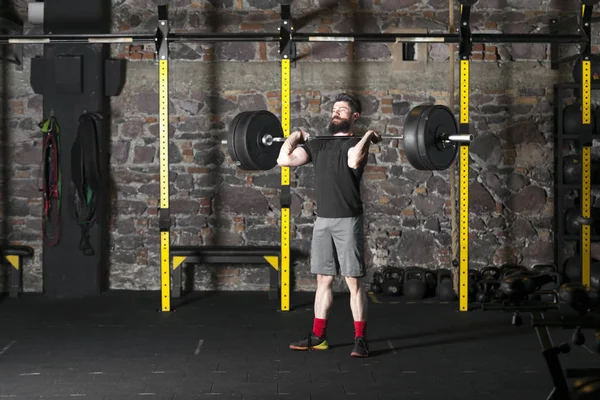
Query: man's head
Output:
(346,110)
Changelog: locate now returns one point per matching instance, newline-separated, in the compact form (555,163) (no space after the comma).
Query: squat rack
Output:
(286,38)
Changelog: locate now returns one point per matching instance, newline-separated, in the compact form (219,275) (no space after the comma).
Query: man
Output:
(338,241)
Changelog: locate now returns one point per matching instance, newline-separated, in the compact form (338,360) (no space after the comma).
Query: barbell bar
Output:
(430,138)
(268,140)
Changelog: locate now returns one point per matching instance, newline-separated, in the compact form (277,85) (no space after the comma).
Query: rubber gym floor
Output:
(232,345)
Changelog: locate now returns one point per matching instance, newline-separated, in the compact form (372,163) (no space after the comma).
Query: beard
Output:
(338,125)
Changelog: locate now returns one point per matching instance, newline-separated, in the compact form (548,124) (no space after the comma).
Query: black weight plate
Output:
(572,124)
(231,139)
(421,139)
(410,135)
(250,149)
(241,142)
(438,121)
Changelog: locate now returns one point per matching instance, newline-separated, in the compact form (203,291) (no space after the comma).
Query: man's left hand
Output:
(374,136)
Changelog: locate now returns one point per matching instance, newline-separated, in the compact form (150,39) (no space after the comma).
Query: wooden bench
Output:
(14,255)
(268,255)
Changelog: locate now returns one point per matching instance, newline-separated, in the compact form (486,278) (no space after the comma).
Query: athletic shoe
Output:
(311,342)
(361,349)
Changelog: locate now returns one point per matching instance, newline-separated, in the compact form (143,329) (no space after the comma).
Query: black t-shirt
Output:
(337,185)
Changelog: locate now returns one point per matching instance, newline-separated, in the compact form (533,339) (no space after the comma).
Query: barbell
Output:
(268,140)
(430,138)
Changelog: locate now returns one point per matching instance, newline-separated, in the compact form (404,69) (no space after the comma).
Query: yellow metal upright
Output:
(586,145)
(464,54)
(286,53)
(164,213)
(285,184)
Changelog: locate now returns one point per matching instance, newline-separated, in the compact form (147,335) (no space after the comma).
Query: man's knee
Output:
(355,284)
(325,280)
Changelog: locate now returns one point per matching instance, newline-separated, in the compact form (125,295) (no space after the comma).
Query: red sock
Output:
(319,327)
(360,329)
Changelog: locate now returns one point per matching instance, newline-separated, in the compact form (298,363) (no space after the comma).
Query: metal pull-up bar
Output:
(117,38)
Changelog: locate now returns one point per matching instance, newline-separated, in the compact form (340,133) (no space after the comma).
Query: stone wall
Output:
(408,211)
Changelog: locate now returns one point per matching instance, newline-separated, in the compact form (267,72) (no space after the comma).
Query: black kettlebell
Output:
(494,273)
(509,269)
(593,297)
(375,286)
(394,273)
(431,281)
(554,286)
(474,278)
(572,269)
(542,268)
(486,290)
(415,283)
(482,292)
(492,288)
(445,285)
(392,281)
(391,288)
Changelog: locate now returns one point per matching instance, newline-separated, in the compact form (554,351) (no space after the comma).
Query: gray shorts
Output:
(338,247)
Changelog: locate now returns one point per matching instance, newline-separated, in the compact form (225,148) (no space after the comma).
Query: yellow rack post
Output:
(164,213)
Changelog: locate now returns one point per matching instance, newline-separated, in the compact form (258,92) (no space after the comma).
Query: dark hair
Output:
(353,101)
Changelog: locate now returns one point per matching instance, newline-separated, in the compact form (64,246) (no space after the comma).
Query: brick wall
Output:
(408,211)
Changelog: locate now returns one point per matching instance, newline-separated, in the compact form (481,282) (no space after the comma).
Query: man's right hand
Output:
(301,135)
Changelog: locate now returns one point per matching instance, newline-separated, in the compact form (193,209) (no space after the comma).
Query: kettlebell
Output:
(491,273)
(593,297)
(375,286)
(415,284)
(486,290)
(392,281)
(541,268)
(492,288)
(548,298)
(431,281)
(394,273)
(445,285)
(509,269)
(391,288)
(482,295)
(474,277)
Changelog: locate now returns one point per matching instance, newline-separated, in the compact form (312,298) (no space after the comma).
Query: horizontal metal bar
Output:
(76,38)
(436,38)
(298,37)
(460,138)
(268,140)
(528,38)
(282,139)
(224,37)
